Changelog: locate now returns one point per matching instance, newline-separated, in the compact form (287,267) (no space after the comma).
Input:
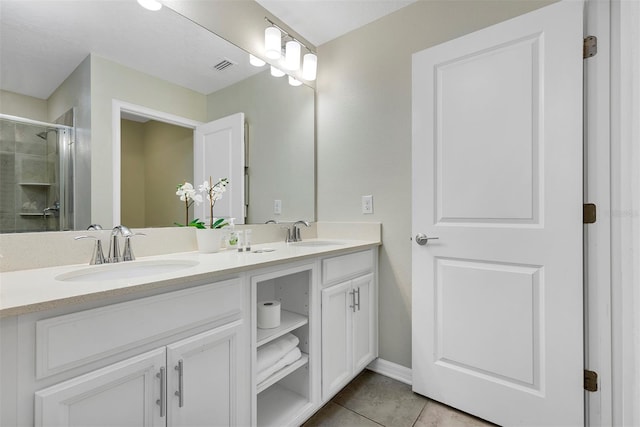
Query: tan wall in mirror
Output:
(29,107)
(155,157)
(281,143)
(364,135)
(113,81)
(132,194)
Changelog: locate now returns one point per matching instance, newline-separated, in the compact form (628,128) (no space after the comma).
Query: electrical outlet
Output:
(367,204)
(277,207)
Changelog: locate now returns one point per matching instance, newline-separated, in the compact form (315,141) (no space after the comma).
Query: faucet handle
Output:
(98,254)
(287,234)
(127,254)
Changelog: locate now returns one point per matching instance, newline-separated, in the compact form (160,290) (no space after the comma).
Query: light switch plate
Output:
(367,204)
(277,207)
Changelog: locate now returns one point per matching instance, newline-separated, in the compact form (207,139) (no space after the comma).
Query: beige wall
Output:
(75,92)
(15,104)
(155,157)
(281,144)
(364,135)
(111,81)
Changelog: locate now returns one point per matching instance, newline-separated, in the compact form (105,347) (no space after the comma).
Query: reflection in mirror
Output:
(117,51)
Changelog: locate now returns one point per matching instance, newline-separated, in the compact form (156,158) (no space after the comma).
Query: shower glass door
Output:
(36,176)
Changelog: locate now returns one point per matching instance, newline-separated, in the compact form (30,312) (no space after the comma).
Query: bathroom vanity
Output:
(178,347)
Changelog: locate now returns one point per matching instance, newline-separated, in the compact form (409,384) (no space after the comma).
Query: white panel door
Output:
(204,378)
(218,152)
(124,394)
(497,177)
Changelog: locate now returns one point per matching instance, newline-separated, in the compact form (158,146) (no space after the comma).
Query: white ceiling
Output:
(43,41)
(320,21)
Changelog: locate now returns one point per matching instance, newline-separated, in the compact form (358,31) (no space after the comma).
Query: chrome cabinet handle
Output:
(357,304)
(422,239)
(180,393)
(353,301)
(163,392)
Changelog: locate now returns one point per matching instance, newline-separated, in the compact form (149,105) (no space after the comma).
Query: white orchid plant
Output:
(188,194)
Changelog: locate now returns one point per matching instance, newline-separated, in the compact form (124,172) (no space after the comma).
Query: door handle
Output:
(422,239)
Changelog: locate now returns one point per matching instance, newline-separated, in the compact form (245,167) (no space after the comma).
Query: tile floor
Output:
(375,400)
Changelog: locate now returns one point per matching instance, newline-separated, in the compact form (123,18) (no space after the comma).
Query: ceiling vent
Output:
(224,64)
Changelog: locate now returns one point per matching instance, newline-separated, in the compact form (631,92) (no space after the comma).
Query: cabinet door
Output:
(203,382)
(364,326)
(337,310)
(123,394)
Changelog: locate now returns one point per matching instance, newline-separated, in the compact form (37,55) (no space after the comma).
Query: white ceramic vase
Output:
(210,240)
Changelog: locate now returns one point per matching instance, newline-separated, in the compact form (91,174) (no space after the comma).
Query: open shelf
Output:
(277,376)
(36,184)
(32,214)
(288,322)
(277,406)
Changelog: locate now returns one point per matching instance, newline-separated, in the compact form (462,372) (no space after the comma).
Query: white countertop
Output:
(33,290)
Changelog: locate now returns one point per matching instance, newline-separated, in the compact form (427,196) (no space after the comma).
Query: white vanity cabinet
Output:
(197,380)
(349,319)
(189,383)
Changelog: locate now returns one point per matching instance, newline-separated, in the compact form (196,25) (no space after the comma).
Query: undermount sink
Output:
(125,270)
(317,243)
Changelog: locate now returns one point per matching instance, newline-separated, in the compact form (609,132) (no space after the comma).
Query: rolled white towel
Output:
(287,360)
(270,353)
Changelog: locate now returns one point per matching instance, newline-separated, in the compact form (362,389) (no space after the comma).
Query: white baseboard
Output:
(391,370)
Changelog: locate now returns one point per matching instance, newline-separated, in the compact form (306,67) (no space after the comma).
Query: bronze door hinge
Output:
(588,213)
(590,380)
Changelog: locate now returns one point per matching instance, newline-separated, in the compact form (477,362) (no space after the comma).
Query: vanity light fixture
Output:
(292,55)
(273,50)
(276,72)
(272,42)
(309,66)
(153,5)
(255,61)
(294,82)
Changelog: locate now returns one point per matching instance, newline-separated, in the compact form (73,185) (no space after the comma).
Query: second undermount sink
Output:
(317,243)
(125,270)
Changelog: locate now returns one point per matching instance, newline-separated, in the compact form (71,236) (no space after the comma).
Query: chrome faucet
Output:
(295,230)
(98,254)
(55,209)
(114,245)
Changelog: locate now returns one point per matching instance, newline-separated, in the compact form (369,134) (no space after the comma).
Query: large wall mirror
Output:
(136,84)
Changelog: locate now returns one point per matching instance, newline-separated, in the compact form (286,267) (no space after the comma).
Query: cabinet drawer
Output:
(346,266)
(65,342)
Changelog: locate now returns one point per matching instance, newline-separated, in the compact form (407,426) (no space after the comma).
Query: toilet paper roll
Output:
(268,314)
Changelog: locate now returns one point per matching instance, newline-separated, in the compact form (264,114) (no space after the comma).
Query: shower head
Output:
(44,133)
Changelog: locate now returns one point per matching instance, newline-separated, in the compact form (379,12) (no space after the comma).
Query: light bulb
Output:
(294,82)
(292,55)
(255,61)
(272,43)
(309,66)
(276,72)
(153,5)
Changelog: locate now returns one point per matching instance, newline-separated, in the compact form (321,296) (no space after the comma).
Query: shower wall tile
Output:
(7,138)
(8,222)
(31,168)
(27,140)
(7,168)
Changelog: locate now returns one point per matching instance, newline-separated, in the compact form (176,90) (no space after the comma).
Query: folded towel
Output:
(270,353)
(287,360)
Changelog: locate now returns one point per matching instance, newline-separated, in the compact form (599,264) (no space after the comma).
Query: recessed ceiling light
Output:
(150,4)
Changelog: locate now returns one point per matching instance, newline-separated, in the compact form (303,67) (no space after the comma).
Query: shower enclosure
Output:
(36,176)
